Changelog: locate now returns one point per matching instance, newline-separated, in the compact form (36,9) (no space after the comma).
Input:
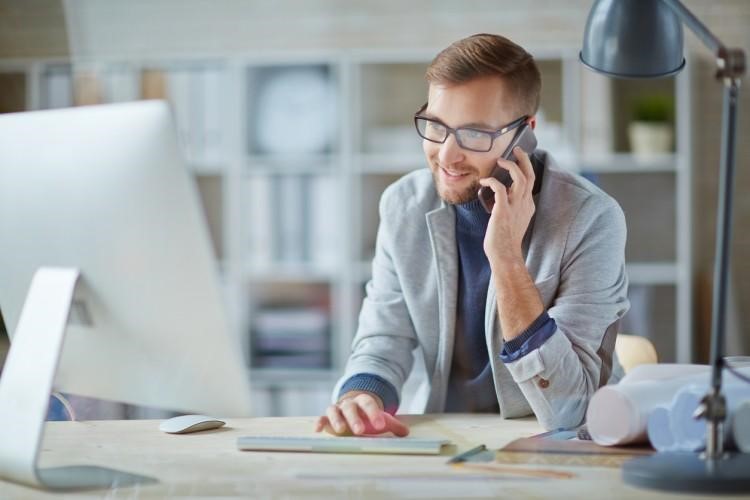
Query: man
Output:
(514,312)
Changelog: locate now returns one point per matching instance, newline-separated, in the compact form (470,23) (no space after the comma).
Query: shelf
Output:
(271,377)
(289,272)
(388,163)
(295,227)
(656,273)
(291,164)
(626,163)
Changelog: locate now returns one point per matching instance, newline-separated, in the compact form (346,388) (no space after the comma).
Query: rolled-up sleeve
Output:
(559,374)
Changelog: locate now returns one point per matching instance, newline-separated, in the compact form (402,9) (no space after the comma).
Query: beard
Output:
(455,195)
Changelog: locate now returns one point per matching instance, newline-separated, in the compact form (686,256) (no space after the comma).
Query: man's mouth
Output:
(453,174)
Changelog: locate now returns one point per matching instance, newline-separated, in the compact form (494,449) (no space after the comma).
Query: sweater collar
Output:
(471,215)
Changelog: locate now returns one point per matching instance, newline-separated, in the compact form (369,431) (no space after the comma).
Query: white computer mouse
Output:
(190,423)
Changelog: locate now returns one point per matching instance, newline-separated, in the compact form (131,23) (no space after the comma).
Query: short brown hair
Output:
(484,55)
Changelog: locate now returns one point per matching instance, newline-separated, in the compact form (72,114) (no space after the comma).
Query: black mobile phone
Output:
(524,138)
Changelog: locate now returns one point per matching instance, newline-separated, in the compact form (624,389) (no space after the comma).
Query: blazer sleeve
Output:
(385,335)
(559,377)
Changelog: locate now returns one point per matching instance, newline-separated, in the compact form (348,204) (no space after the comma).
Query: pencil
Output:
(463,457)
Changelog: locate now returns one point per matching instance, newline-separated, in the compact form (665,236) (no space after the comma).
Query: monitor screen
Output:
(103,189)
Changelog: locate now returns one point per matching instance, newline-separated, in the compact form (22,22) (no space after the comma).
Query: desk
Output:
(208,464)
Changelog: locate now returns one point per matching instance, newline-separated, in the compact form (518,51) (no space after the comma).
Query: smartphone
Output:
(524,138)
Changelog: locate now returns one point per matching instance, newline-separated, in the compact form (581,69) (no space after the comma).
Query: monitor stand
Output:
(26,385)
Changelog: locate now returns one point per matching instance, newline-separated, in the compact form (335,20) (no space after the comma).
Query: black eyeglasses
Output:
(473,139)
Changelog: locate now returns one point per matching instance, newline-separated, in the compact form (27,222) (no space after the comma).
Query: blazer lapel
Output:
(441,224)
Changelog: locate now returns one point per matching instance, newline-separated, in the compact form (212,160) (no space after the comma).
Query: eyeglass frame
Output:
(448,130)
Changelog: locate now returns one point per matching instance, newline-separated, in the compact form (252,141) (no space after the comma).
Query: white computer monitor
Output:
(128,298)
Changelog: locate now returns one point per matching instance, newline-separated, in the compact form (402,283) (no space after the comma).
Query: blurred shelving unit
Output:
(292,150)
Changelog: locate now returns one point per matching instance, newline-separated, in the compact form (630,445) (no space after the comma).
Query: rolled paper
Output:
(690,433)
(659,429)
(618,414)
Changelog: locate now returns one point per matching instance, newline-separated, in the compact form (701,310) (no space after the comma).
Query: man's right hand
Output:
(359,413)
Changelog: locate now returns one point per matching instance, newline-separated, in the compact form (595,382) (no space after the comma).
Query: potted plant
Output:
(651,132)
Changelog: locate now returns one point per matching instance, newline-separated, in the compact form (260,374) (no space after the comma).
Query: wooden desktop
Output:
(208,464)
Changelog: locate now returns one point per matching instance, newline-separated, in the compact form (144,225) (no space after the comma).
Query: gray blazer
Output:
(575,252)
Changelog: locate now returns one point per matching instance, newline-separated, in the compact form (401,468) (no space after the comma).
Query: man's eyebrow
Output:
(479,125)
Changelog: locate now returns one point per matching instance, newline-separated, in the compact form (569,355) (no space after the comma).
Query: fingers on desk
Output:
(395,425)
(338,422)
(355,416)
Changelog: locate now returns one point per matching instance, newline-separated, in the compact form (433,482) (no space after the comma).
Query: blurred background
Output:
(294,116)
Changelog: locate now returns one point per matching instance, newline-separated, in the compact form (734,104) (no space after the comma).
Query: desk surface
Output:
(208,464)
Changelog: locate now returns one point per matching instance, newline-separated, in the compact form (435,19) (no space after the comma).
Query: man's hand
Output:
(518,300)
(513,210)
(359,413)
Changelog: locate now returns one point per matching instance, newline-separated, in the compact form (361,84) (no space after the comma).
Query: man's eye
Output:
(435,127)
(473,134)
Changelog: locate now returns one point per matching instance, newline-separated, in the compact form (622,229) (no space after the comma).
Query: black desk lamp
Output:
(643,39)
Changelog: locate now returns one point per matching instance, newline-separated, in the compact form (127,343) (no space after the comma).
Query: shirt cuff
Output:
(530,339)
(376,385)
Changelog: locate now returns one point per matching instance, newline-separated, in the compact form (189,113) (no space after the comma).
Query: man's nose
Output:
(450,151)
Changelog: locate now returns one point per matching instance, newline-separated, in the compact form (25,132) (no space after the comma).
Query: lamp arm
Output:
(730,62)
(696,26)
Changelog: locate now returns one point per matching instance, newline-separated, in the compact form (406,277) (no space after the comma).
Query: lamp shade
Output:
(633,39)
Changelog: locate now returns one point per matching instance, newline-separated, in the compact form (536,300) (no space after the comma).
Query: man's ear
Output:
(532,122)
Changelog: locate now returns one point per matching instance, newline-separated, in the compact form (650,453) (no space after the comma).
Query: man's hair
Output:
(484,55)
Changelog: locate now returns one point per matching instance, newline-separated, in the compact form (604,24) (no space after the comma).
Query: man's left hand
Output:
(514,207)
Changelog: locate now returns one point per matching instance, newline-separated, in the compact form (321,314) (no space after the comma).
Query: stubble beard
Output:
(451,196)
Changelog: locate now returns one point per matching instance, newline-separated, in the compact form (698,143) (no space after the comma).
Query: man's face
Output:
(481,103)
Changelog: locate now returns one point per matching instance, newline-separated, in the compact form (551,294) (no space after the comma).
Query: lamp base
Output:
(689,473)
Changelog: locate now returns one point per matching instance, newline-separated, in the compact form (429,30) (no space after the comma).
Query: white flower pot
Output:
(648,138)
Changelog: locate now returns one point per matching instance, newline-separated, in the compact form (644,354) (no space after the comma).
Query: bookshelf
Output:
(290,181)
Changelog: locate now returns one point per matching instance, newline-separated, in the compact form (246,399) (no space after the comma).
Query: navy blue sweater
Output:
(470,386)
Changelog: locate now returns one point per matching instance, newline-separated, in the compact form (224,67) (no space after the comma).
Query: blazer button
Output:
(543,383)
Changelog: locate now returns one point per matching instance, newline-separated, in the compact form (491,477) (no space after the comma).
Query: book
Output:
(564,448)
(325,233)
(211,83)
(178,91)
(153,84)
(87,89)
(119,84)
(259,220)
(58,87)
